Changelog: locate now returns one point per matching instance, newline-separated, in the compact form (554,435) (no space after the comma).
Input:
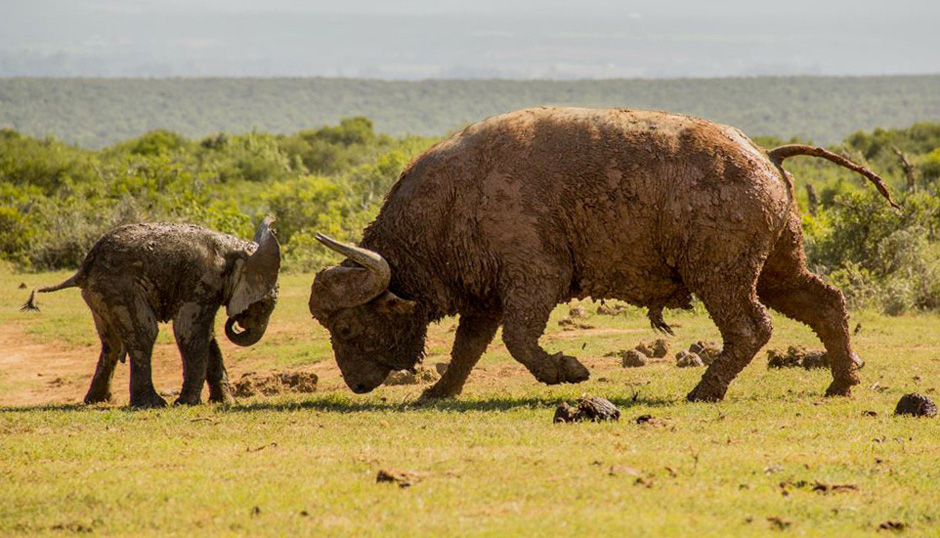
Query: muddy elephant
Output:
(140,274)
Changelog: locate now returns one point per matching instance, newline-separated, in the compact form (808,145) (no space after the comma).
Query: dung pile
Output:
(917,405)
(707,351)
(687,359)
(642,353)
(405,377)
(797,357)
(271,383)
(589,408)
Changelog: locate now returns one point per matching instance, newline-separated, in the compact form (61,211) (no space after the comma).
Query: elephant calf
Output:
(140,274)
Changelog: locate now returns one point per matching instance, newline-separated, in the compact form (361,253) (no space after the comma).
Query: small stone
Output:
(441,367)
(644,348)
(607,310)
(917,405)
(687,359)
(660,348)
(632,358)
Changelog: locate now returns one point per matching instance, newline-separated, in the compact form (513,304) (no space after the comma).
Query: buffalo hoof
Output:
(840,389)
(147,401)
(221,394)
(572,370)
(707,393)
(438,393)
(561,368)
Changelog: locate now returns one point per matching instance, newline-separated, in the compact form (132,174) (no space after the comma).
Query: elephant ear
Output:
(256,275)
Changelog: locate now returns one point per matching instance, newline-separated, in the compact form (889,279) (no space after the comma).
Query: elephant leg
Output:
(474,333)
(112,350)
(137,325)
(192,328)
(220,391)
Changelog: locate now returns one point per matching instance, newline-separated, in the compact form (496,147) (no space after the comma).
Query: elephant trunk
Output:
(246,337)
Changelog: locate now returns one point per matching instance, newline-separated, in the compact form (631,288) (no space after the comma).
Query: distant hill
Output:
(97,112)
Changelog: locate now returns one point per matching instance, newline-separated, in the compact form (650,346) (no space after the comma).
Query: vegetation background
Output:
(210,162)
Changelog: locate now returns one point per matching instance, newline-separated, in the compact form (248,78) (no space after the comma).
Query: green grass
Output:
(489,463)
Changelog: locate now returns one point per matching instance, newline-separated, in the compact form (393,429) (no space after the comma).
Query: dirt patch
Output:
(419,376)
(404,479)
(272,383)
(917,405)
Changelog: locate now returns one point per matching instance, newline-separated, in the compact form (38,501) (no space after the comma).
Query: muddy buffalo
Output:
(523,211)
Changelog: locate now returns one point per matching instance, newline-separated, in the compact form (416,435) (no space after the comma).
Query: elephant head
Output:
(254,287)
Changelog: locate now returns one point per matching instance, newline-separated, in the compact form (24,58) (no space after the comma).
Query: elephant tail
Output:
(30,304)
(777,155)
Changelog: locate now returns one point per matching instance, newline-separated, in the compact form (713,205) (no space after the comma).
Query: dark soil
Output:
(402,478)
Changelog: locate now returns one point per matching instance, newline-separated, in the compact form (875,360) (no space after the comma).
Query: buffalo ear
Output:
(389,303)
(256,274)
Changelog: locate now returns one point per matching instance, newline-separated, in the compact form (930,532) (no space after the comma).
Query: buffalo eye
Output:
(343,330)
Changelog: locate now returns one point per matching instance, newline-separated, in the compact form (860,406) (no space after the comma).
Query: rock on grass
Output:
(632,358)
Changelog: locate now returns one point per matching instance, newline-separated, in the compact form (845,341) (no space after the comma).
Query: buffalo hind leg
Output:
(522,328)
(474,333)
(220,390)
(805,298)
(111,352)
(745,328)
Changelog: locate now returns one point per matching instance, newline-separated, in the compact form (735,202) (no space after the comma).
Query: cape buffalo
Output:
(522,211)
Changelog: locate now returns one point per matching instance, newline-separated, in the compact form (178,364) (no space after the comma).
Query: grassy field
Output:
(489,463)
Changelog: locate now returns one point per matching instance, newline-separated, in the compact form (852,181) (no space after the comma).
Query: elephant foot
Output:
(560,368)
(148,400)
(221,393)
(97,396)
(188,399)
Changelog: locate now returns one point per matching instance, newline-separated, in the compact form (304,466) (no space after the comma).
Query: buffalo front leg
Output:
(220,391)
(111,352)
(522,329)
(192,328)
(474,333)
(745,328)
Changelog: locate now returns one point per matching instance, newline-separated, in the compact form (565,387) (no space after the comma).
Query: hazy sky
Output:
(455,39)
